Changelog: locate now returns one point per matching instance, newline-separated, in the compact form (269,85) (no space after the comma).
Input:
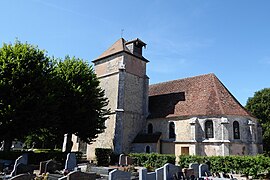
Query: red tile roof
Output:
(118,47)
(200,95)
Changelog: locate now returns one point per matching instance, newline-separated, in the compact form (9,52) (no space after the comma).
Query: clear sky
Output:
(185,38)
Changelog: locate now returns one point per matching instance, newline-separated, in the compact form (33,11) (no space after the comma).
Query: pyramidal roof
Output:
(118,47)
(200,95)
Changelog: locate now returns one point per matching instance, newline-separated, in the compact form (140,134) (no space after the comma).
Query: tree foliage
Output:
(24,73)
(259,106)
(45,98)
(81,102)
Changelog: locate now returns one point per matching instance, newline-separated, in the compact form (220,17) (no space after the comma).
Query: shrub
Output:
(38,156)
(152,160)
(103,156)
(247,165)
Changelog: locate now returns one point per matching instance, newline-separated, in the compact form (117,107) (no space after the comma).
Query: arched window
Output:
(171,130)
(236,132)
(209,130)
(147,149)
(150,128)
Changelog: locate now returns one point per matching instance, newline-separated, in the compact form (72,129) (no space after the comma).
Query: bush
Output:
(247,165)
(103,156)
(38,156)
(152,160)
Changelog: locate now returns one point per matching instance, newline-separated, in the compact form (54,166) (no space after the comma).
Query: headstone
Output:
(51,166)
(129,160)
(160,173)
(195,167)
(204,170)
(101,170)
(116,175)
(171,171)
(122,160)
(71,162)
(23,168)
(23,177)
(142,174)
(42,165)
(151,176)
(78,175)
(23,159)
(188,173)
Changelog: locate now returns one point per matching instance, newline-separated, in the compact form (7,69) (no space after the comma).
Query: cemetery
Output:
(134,166)
(139,142)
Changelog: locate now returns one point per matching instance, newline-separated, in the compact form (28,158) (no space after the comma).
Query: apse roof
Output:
(203,95)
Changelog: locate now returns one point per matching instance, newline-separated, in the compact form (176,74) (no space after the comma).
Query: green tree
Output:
(81,102)
(259,106)
(24,76)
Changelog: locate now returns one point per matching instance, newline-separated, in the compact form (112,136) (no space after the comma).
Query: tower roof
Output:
(200,95)
(118,47)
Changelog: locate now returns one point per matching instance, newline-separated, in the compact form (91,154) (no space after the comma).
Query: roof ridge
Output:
(235,100)
(209,74)
(218,95)
(117,47)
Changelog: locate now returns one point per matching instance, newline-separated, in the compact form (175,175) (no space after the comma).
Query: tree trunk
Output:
(7,144)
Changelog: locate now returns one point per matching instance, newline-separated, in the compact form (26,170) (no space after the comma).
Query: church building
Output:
(196,115)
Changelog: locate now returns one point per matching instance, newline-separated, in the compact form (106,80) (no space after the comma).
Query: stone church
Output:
(195,115)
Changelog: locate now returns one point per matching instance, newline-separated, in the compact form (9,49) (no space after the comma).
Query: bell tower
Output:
(121,70)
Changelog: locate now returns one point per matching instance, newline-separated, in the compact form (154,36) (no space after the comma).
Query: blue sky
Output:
(185,38)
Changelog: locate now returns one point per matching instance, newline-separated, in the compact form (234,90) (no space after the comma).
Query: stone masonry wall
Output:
(223,142)
(105,140)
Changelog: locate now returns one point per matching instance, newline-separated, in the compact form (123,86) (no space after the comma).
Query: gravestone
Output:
(188,173)
(129,160)
(42,165)
(159,173)
(51,166)
(122,160)
(142,174)
(204,170)
(23,168)
(23,177)
(171,171)
(23,159)
(116,175)
(78,175)
(71,162)
(195,167)
(151,176)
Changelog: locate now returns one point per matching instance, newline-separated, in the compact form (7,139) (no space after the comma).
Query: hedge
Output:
(152,160)
(247,165)
(37,157)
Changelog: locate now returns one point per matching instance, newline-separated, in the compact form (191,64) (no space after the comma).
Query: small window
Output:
(171,130)
(236,130)
(147,149)
(209,130)
(150,128)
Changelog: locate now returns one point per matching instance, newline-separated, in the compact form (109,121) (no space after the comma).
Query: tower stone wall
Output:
(122,74)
